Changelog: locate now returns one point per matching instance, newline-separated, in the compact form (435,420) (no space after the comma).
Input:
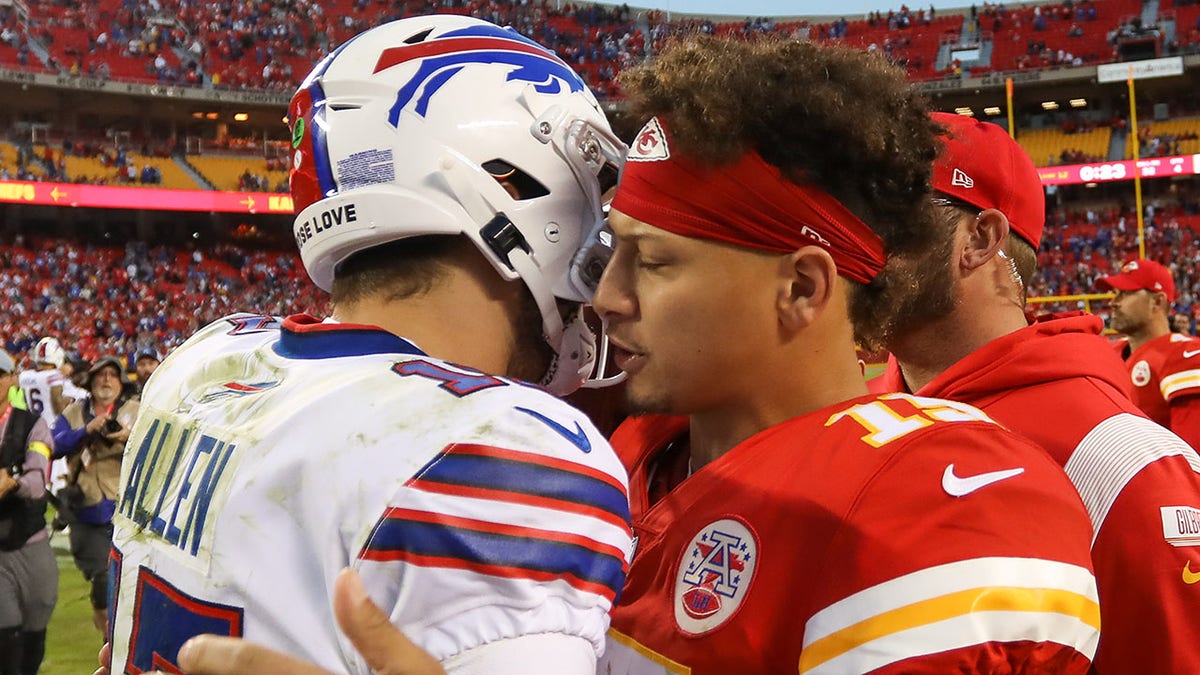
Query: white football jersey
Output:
(37,385)
(269,454)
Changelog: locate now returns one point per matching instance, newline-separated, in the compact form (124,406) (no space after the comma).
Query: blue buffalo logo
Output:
(444,57)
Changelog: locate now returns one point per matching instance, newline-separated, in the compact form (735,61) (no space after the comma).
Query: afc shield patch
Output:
(714,575)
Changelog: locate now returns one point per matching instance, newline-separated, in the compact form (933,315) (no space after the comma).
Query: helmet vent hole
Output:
(344,106)
(607,177)
(520,185)
(419,37)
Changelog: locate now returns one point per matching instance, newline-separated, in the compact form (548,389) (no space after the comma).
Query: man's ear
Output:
(986,235)
(807,278)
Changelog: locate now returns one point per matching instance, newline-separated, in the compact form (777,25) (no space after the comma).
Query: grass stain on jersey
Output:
(174,474)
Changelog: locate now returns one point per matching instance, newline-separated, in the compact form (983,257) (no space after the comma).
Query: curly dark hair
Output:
(840,118)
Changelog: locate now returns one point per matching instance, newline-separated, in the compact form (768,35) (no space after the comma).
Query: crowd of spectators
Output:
(12,35)
(1080,245)
(252,182)
(45,163)
(271,44)
(1072,156)
(1067,34)
(1038,55)
(1038,18)
(1151,144)
(101,38)
(111,300)
(905,18)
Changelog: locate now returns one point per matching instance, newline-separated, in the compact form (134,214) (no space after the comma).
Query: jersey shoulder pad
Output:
(1180,375)
(234,325)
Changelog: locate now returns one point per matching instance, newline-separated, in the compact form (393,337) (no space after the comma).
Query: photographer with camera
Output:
(92,434)
(28,571)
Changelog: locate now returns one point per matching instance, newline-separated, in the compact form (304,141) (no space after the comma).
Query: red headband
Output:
(749,203)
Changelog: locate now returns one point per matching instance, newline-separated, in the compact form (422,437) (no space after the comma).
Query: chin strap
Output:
(573,362)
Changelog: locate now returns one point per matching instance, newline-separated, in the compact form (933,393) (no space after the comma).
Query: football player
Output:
(1164,373)
(447,174)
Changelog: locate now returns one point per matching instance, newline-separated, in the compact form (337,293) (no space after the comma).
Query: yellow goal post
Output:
(1086,298)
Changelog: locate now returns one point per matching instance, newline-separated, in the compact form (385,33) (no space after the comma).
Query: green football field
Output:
(71,640)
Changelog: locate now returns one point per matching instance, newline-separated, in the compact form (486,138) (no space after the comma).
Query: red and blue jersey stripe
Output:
(486,472)
(495,549)
(432,539)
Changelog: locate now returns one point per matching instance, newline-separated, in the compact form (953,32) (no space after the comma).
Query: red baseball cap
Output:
(983,166)
(1139,275)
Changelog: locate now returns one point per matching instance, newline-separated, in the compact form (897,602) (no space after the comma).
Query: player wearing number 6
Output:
(447,176)
(786,520)
(43,385)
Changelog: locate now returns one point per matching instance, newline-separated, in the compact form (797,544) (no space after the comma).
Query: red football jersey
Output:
(1058,383)
(1164,376)
(892,534)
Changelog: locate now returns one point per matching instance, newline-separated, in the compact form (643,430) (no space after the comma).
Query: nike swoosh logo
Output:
(956,486)
(1188,355)
(578,437)
(1190,577)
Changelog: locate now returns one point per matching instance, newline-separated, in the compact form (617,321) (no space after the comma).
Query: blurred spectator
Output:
(144,364)
(28,569)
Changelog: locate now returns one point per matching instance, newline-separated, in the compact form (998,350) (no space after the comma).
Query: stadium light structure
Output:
(1049,105)
(1079,103)
(992,111)
(965,111)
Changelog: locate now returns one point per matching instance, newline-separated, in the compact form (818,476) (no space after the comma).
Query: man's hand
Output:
(118,436)
(103,657)
(386,650)
(7,482)
(96,425)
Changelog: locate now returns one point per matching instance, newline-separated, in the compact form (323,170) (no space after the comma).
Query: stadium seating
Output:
(225,173)
(173,176)
(105,171)
(1179,136)
(1018,45)
(8,156)
(1047,146)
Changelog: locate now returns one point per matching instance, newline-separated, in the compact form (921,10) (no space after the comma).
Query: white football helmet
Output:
(408,129)
(48,350)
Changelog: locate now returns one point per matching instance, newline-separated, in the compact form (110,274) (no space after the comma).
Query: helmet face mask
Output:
(451,125)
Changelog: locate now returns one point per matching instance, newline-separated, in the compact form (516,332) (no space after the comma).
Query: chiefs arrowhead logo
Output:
(650,144)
